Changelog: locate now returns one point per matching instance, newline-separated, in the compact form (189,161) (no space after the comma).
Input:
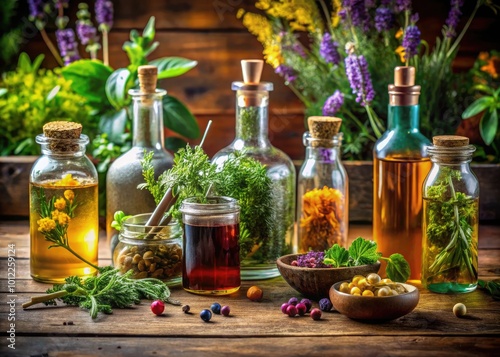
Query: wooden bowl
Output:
(374,308)
(315,283)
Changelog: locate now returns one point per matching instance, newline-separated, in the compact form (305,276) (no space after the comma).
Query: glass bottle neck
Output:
(147,113)
(403,117)
(252,117)
(322,150)
(64,148)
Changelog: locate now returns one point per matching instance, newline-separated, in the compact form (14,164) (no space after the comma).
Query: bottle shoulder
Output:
(401,142)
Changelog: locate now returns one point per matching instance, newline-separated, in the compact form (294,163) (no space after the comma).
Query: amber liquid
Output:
(211,259)
(55,264)
(397,208)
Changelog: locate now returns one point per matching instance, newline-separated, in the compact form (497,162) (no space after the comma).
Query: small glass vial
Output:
(252,139)
(150,252)
(450,218)
(211,260)
(63,206)
(323,190)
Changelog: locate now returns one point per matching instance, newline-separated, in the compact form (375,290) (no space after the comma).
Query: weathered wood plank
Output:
(320,346)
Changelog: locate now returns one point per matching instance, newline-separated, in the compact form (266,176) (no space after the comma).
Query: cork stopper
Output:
(404,91)
(148,76)
(323,129)
(450,141)
(252,70)
(61,135)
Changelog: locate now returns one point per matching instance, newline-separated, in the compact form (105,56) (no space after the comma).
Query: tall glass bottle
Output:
(252,102)
(63,206)
(451,218)
(323,194)
(125,174)
(400,165)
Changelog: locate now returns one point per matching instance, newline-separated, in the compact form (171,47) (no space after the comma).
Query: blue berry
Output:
(293,301)
(225,310)
(215,308)
(206,315)
(325,304)
(308,304)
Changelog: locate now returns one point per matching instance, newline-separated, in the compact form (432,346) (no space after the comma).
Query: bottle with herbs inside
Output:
(63,206)
(272,237)
(323,208)
(125,174)
(451,218)
(400,164)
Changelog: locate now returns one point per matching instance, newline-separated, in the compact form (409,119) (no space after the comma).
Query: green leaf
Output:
(397,269)
(174,143)
(89,80)
(134,36)
(3,91)
(488,126)
(492,286)
(24,62)
(116,87)
(363,251)
(169,67)
(135,55)
(149,32)
(53,93)
(477,106)
(113,124)
(336,256)
(37,62)
(178,118)
(151,48)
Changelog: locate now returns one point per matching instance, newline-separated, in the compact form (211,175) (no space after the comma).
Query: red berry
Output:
(225,310)
(291,310)
(157,307)
(316,314)
(301,308)
(284,306)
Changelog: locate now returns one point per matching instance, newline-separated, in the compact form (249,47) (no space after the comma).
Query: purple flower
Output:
(333,103)
(357,12)
(328,49)
(311,259)
(453,18)
(297,48)
(67,45)
(286,72)
(86,32)
(402,5)
(384,19)
(104,13)
(358,75)
(36,8)
(411,40)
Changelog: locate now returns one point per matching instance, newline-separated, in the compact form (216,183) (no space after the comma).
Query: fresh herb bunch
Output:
(104,292)
(492,286)
(363,251)
(450,216)
(240,177)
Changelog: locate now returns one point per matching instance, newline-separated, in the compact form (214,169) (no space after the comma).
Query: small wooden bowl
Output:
(315,283)
(374,308)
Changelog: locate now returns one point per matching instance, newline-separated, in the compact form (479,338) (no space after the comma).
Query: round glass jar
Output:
(211,260)
(450,218)
(150,252)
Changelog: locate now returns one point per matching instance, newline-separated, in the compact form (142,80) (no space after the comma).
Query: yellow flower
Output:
(55,214)
(337,6)
(63,219)
(483,56)
(67,180)
(492,66)
(70,195)
(399,34)
(46,224)
(401,52)
(60,204)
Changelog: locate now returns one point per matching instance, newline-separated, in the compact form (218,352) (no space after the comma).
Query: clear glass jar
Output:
(323,196)
(211,260)
(63,193)
(252,112)
(150,252)
(450,218)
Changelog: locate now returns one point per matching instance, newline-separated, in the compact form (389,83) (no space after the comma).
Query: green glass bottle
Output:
(400,165)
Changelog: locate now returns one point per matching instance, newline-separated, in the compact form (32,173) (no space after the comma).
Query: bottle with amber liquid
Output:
(400,165)
(63,206)
(125,174)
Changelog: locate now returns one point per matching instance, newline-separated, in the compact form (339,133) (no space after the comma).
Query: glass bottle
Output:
(125,174)
(450,218)
(400,164)
(63,206)
(150,252)
(211,260)
(323,208)
(252,111)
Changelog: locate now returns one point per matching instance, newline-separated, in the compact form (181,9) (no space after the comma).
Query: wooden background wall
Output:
(208,31)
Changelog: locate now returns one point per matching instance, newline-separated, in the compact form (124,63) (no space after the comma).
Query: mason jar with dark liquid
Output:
(211,259)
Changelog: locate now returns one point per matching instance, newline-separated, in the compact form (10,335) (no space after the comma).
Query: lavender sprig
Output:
(86,31)
(328,49)
(67,45)
(37,9)
(333,103)
(359,78)
(104,14)
(384,19)
(453,18)
(357,12)
(411,40)
(402,5)
(286,72)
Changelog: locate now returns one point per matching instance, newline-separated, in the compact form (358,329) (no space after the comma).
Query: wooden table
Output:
(254,328)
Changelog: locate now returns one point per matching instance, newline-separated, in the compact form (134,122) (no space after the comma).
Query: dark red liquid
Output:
(211,258)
